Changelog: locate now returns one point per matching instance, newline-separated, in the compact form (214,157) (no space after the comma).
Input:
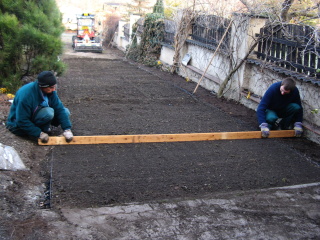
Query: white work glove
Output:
(68,135)
(298,129)
(265,131)
(44,137)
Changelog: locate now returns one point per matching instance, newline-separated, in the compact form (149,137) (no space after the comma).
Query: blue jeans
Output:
(288,115)
(43,119)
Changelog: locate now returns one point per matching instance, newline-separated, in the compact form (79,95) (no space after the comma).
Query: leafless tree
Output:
(277,13)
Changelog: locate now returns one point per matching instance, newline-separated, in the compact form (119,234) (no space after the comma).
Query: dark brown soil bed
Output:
(109,97)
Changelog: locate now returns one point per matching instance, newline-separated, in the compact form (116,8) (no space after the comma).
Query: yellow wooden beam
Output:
(153,138)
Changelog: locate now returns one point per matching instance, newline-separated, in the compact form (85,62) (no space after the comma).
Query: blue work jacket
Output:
(27,102)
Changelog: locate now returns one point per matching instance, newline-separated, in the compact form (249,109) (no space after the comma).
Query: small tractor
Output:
(86,39)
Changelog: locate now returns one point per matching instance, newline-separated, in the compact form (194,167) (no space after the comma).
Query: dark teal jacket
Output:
(27,102)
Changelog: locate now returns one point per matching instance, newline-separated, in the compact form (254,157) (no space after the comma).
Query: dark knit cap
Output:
(46,79)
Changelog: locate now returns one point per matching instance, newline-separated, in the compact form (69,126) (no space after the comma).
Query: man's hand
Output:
(265,131)
(68,135)
(298,129)
(44,137)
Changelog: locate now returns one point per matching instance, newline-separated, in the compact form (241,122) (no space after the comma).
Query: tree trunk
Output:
(226,80)
(285,9)
(245,2)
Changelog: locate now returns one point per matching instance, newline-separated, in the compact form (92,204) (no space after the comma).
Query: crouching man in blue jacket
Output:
(281,102)
(36,106)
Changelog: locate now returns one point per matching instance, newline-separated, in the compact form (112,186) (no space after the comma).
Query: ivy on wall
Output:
(148,51)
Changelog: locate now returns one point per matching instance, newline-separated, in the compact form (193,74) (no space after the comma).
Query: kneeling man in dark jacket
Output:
(36,106)
(281,102)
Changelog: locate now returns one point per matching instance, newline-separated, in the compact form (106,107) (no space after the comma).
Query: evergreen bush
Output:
(29,40)
(148,51)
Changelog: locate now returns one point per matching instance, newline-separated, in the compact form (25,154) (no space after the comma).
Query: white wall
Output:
(119,40)
(166,55)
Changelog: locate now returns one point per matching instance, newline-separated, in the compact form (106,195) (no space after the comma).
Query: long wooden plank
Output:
(153,138)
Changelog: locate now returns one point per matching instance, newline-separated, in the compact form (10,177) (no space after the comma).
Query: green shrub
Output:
(29,39)
(10,47)
(148,51)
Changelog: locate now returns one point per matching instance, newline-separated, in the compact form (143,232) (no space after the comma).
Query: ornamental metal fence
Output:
(208,30)
(170,31)
(292,47)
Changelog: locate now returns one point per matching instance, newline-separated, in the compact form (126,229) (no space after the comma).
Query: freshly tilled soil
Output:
(116,97)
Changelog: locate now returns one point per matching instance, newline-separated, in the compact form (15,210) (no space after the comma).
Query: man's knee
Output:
(271,116)
(44,115)
(294,107)
(48,113)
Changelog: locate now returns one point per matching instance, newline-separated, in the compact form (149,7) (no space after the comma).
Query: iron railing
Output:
(292,47)
(209,30)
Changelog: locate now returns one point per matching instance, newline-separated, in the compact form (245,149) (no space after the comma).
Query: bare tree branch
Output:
(307,12)
(235,69)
